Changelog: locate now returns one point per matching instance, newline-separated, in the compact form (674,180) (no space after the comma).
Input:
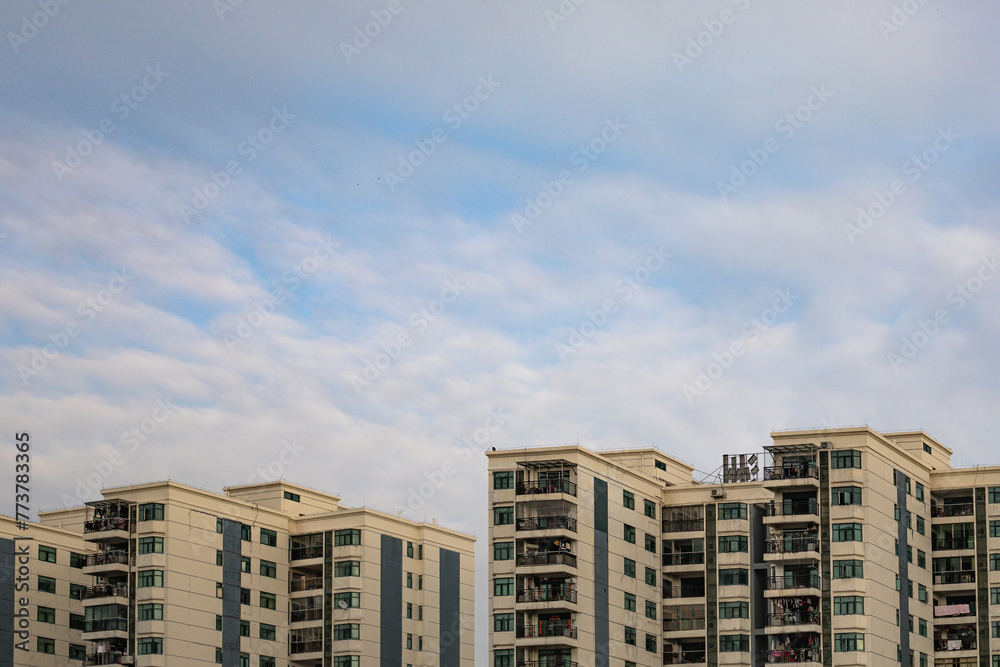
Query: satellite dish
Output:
(342,604)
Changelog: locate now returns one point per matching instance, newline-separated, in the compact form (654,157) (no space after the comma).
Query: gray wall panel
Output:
(391,592)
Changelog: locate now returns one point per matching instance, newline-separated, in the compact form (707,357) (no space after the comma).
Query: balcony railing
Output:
(304,553)
(300,615)
(560,521)
(792,545)
(957,644)
(546,486)
(547,558)
(792,508)
(101,525)
(783,656)
(682,624)
(547,629)
(793,618)
(311,646)
(560,594)
(788,582)
(671,592)
(107,658)
(108,558)
(683,525)
(305,584)
(961,509)
(955,577)
(791,472)
(105,625)
(550,662)
(954,542)
(684,558)
(106,591)
(683,657)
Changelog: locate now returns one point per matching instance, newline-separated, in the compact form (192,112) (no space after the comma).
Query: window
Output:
(734,643)
(245,564)
(734,610)
(409,641)
(503,622)
(409,549)
(503,516)
(244,594)
(994,562)
(46,584)
(266,660)
(922,594)
(995,629)
(629,534)
(995,596)
(246,533)
(921,559)
(922,627)
(347,568)
(734,577)
(848,604)
(847,532)
(848,569)
(150,512)
(420,552)
(218,557)
(77,622)
(420,613)
(733,544)
(76,591)
(651,643)
(347,537)
(218,529)
(846,495)
(218,626)
(46,554)
(45,645)
(649,508)
(77,560)
(151,545)
(920,524)
(732,511)
(409,610)
(77,652)
(150,578)
(994,494)
(503,480)
(927,448)
(650,576)
(650,543)
(409,580)
(630,636)
(503,586)
(629,602)
(268,569)
(294,497)
(345,631)
(650,609)
(244,628)
(629,567)
(150,645)
(848,641)
(628,499)
(660,465)
(503,551)
(503,657)
(346,660)
(919,492)
(420,643)
(153,611)
(244,660)
(351,600)
(268,538)
(847,458)
(269,600)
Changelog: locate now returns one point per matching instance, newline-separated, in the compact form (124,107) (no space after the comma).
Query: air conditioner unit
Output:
(718,493)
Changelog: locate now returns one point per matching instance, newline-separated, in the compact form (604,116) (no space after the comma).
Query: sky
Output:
(353,245)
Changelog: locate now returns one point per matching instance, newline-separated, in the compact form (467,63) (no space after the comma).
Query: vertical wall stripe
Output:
(7,570)
(711,586)
(602,611)
(450,628)
(391,592)
(328,598)
(903,568)
(231,580)
(758,576)
(826,558)
(982,577)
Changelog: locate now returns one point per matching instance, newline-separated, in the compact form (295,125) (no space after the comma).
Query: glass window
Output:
(994,528)
(409,549)
(847,532)
(649,508)
(629,567)
(628,499)
(347,537)
(346,660)
(150,578)
(503,480)
(46,584)
(246,532)
(218,529)
(245,564)
(45,645)
(151,611)
(244,628)
(218,557)
(734,577)
(848,569)
(846,495)
(244,594)
(150,645)
(732,511)
(650,543)
(994,562)
(629,534)
(920,524)
(343,631)
(733,544)
(629,602)
(347,568)
(503,586)
(995,596)
(294,497)
(46,615)
(503,657)
(46,554)
(76,591)
(848,641)
(503,551)
(266,660)
(350,599)
(503,622)
(150,545)
(734,643)
(650,609)
(77,560)
(919,492)
(268,569)
(630,636)
(77,622)
(922,594)
(150,512)
(846,458)
(650,576)
(922,627)
(734,610)
(651,643)
(503,516)
(848,604)
(660,465)
(269,600)
(77,652)
(994,494)
(268,537)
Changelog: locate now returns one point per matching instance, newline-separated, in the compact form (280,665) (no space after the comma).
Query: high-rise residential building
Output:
(832,547)
(266,575)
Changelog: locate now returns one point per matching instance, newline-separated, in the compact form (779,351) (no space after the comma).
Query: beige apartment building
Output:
(266,575)
(834,547)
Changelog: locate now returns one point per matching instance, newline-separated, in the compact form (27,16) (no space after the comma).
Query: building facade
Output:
(268,575)
(849,547)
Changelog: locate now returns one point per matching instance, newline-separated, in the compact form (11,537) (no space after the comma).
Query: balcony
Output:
(547,629)
(116,525)
(305,584)
(684,657)
(305,615)
(557,594)
(807,473)
(107,562)
(687,624)
(799,655)
(109,658)
(793,582)
(792,545)
(675,592)
(106,591)
(944,612)
(311,646)
(532,487)
(955,577)
(791,511)
(959,509)
(306,553)
(547,558)
(783,620)
(683,525)
(966,643)
(684,558)
(556,522)
(945,543)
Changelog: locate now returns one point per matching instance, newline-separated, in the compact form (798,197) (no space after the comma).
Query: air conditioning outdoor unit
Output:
(718,493)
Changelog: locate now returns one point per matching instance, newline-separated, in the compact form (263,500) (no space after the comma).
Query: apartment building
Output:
(268,575)
(843,547)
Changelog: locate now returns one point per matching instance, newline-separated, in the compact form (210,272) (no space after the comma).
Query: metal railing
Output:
(784,656)
(300,615)
(671,592)
(559,521)
(684,558)
(791,472)
(792,545)
(792,508)
(305,584)
(788,582)
(559,594)
(962,509)
(793,618)
(683,657)
(101,525)
(106,591)
(547,558)
(547,629)
(550,662)
(530,487)
(955,577)
(303,553)
(955,644)
(682,624)
(105,625)
(117,557)
(107,658)
(311,646)
(954,542)
(683,525)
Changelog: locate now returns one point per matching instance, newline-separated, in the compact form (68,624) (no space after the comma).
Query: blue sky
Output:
(891,321)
